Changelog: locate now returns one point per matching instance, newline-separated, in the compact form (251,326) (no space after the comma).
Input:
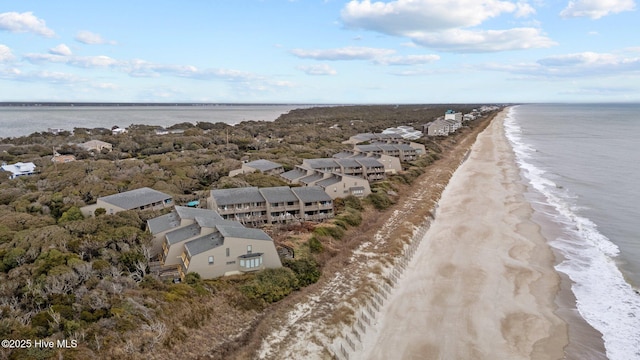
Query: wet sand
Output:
(482,284)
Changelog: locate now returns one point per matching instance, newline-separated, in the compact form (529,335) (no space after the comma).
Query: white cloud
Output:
(582,59)
(78,61)
(402,16)
(523,9)
(89,38)
(466,41)
(408,60)
(578,65)
(106,86)
(345,53)
(61,49)
(24,22)
(596,9)
(5,53)
(53,77)
(445,25)
(322,69)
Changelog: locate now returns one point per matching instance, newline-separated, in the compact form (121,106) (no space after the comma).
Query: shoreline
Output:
(466,297)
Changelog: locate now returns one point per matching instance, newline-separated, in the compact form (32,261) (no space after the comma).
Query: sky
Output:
(320,51)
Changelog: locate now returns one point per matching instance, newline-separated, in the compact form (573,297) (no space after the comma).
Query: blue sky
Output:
(314,51)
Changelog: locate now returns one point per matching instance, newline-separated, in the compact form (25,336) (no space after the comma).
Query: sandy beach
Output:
(482,284)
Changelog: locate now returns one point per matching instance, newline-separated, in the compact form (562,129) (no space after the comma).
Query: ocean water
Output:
(583,163)
(21,121)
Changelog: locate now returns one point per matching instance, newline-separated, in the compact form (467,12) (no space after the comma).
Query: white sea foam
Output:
(603,298)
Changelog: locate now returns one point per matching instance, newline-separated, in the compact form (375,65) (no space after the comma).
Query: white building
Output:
(19,169)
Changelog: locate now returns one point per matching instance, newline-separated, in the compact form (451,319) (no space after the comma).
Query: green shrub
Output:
(271,285)
(307,270)
(351,216)
(332,231)
(379,200)
(315,246)
(353,203)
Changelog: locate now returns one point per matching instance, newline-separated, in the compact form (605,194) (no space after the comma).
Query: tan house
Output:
(200,241)
(96,145)
(138,199)
(370,169)
(264,166)
(403,151)
(391,164)
(280,204)
(61,159)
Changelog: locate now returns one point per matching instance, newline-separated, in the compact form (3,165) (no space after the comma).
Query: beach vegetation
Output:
(63,275)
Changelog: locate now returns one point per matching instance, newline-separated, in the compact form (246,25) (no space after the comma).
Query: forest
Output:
(66,277)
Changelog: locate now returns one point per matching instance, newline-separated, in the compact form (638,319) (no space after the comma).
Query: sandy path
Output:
(482,284)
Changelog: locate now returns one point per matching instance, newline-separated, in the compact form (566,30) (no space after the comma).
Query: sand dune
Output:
(482,284)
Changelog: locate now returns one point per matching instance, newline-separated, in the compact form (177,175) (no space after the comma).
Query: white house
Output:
(19,169)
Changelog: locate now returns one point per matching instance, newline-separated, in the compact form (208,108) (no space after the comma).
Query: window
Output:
(248,249)
(228,252)
(211,260)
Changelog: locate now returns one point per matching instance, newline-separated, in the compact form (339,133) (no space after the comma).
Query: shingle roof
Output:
(163,223)
(369,162)
(368,147)
(311,194)
(209,222)
(278,194)
(242,195)
(135,198)
(321,163)
(243,232)
(263,165)
(192,213)
(183,233)
(293,174)
(328,181)
(311,178)
(348,163)
(203,243)
(404,147)
(343,154)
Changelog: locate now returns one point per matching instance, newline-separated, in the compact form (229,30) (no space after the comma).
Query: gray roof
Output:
(183,233)
(321,163)
(311,178)
(311,194)
(243,232)
(210,222)
(278,194)
(242,195)
(363,136)
(203,243)
(328,181)
(368,147)
(404,147)
(343,154)
(369,162)
(135,198)
(293,174)
(173,219)
(192,213)
(348,163)
(163,223)
(263,165)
